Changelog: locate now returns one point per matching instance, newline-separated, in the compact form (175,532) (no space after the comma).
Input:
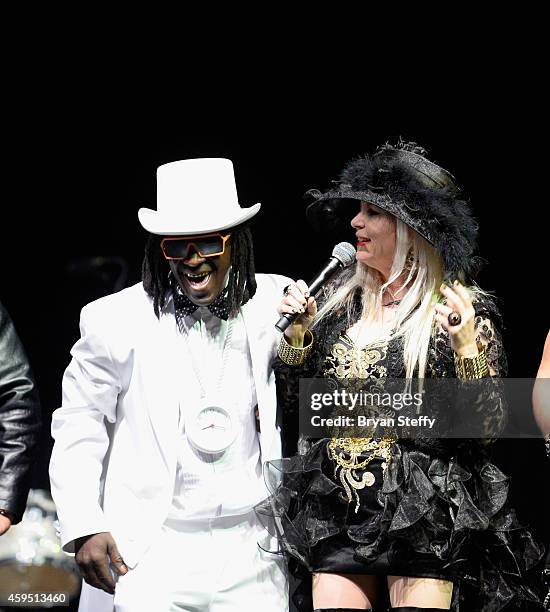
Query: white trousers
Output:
(204,566)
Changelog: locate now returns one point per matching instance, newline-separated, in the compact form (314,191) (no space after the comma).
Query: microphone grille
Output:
(344,253)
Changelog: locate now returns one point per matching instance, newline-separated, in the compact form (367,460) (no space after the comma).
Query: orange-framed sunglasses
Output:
(207,245)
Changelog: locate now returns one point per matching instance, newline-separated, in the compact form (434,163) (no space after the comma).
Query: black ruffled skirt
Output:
(425,515)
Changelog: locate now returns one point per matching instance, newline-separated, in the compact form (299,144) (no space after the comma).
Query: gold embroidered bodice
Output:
(352,366)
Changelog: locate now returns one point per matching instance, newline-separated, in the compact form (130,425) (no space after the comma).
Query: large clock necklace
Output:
(210,427)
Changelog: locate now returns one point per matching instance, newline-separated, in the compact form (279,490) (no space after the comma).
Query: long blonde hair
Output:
(417,260)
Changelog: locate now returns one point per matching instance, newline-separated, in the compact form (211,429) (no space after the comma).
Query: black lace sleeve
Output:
(287,381)
(489,403)
(488,324)
(483,401)
(287,377)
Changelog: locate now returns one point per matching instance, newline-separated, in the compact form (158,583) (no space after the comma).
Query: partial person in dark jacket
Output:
(541,395)
(19,424)
(541,409)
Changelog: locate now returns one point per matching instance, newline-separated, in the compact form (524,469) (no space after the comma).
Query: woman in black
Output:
(426,516)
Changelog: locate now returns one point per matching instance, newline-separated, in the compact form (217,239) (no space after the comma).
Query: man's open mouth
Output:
(198,280)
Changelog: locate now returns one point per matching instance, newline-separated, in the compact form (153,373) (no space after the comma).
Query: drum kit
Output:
(33,566)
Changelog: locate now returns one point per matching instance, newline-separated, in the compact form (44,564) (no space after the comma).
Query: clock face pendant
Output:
(211,430)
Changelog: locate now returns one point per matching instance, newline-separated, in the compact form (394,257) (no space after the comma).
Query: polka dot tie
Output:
(184,306)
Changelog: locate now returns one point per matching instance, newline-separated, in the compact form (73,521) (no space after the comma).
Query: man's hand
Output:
(93,555)
(5,524)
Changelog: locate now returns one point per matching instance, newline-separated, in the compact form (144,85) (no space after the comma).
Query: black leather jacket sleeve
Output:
(19,420)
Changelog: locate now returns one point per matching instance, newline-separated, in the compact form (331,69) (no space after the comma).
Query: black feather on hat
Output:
(402,181)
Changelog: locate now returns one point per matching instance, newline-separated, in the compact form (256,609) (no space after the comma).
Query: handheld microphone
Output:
(342,256)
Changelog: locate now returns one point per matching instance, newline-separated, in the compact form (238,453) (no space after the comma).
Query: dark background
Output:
(79,173)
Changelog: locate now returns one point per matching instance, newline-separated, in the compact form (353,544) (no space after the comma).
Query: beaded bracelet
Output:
(293,355)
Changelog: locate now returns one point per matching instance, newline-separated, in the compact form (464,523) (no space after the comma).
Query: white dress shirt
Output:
(208,486)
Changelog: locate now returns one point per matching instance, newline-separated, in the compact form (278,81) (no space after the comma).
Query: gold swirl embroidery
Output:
(349,361)
(345,454)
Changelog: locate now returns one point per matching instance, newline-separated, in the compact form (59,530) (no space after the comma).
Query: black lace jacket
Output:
(330,332)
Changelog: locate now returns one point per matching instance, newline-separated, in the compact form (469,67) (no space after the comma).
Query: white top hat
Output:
(195,196)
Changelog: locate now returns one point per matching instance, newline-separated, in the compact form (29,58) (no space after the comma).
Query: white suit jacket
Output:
(114,459)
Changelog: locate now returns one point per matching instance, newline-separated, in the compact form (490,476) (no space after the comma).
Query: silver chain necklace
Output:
(210,427)
(225,352)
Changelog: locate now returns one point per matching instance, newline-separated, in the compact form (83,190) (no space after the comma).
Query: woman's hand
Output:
(462,335)
(5,523)
(297,300)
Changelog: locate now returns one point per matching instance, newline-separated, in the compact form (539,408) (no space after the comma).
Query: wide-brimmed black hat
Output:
(402,181)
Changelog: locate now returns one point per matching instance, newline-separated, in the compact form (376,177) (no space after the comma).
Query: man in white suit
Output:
(169,413)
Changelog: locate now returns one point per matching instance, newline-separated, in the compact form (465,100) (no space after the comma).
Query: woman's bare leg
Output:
(344,591)
(420,592)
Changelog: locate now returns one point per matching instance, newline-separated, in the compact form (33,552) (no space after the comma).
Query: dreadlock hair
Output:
(241,286)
